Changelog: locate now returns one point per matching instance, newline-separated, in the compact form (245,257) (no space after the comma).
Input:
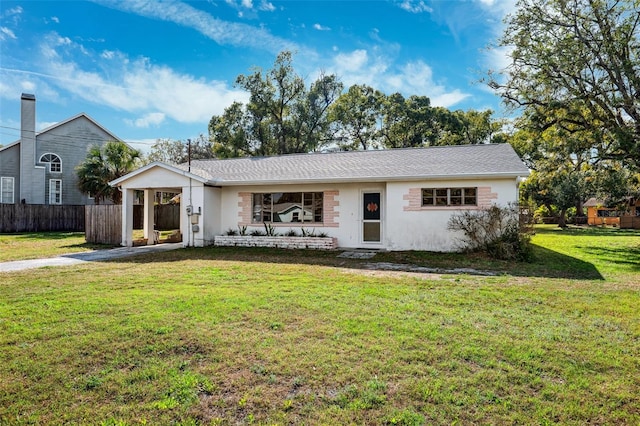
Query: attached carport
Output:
(196,227)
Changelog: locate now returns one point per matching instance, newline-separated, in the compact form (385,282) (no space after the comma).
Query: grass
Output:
(226,336)
(43,244)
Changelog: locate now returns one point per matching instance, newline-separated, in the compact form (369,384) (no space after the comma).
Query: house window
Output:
(55,165)
(55,191)
(287,207)
(608,213)
(6,190)
(450,196)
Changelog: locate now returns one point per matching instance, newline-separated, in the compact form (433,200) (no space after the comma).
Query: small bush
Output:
(231,232)
(495,230)
(291,233)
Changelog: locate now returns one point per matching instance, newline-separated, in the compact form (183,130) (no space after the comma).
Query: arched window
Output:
(55,165)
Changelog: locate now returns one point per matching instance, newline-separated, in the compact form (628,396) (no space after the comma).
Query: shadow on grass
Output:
(547,263)
(629,257)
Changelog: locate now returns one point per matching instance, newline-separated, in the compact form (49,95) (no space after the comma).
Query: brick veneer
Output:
(414,199)
(244,208)
(329,213)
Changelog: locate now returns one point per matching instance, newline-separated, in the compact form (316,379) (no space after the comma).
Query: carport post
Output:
(149,198)
(127,217)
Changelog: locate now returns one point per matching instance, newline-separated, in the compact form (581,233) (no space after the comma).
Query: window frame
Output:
(4,179)
(458,196)
(55,193)
(51,161)
(308,200)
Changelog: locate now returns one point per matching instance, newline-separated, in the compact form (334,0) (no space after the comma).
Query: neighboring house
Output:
(394,199)
(39,168)
(598,214)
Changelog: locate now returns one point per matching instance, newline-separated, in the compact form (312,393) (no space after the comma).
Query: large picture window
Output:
(287,207)
(449,196)
(7,190)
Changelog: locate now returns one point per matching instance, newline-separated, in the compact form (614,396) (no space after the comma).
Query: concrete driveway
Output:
(89,256)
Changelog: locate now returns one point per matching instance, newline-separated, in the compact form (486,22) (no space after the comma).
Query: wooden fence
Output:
(40,218)
(630,222)
(103,223)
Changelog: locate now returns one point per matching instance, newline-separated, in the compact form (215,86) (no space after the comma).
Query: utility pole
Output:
(189,153)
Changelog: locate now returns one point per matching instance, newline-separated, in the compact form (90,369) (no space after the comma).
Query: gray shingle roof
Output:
(452,162)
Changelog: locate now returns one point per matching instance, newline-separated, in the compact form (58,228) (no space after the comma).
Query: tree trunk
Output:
(562,219)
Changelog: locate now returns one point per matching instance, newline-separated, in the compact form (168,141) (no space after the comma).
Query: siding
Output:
(10,167)
(71,142)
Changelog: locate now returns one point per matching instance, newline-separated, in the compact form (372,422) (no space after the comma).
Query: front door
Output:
(371,212)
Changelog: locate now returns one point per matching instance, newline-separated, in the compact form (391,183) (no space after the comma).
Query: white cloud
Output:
(222,32)
(41,125)
(413,78)
(150,119)
(267,6)
(351,62)
(136,86)
(321,27)
(55,19)
(6,32)
(413,6)
(108,54)
(417,78)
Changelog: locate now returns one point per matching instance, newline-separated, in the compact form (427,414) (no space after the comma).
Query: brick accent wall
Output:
(485,196)
(414,200)
(244,208)
(330,215)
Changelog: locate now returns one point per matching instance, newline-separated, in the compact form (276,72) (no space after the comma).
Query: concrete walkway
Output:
(89,256)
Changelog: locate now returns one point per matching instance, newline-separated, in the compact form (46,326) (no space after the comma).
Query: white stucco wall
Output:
(402,227)
(405,225)
(426,227)
(211,218)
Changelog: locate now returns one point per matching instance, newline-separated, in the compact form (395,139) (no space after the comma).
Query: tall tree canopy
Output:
(177,151)
(104,164)
(576,66)
(282,115)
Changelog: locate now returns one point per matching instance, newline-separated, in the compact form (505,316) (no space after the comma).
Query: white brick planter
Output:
(316,243)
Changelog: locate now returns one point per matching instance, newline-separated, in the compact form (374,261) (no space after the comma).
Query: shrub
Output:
(495,230)
(231,232)
(291,233)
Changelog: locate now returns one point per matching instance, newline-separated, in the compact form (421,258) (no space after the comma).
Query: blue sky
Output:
(147,69)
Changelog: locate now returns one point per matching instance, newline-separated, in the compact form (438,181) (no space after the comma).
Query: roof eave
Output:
(173,169)
(372,179)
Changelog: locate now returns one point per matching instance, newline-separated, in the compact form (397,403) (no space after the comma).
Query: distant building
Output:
(598,214)
(39,168)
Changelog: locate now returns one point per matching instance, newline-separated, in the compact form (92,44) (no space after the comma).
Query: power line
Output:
(62,136)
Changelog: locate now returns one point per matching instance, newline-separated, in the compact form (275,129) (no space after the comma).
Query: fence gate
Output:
(103,224)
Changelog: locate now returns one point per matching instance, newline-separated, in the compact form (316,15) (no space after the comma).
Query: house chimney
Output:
(27,144)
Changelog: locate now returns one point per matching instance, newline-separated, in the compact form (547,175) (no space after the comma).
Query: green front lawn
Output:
(37,245)
(228,336)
